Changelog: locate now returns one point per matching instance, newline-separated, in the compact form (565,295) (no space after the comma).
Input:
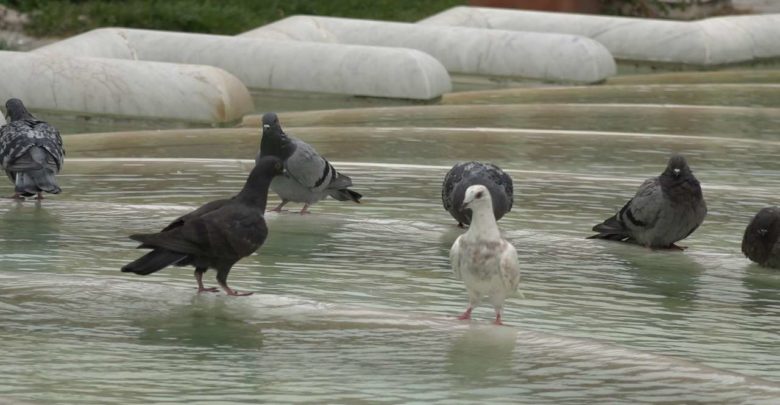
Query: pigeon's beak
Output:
(762,232)
(266,126)
(676,171)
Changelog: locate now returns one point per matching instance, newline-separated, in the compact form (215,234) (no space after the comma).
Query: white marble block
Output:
(272,64)
(707,42)
(123,88)
(550,57)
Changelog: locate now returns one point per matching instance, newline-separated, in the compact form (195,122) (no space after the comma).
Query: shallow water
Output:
(356,303)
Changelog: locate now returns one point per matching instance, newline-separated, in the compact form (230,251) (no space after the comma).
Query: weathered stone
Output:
(549,57)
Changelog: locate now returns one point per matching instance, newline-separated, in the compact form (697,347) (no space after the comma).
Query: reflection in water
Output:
(763,286)
(482,351)
(30,232)
(205,321)
(672,275)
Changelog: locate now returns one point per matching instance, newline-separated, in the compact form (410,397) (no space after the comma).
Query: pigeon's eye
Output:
(479,195)
(278,166)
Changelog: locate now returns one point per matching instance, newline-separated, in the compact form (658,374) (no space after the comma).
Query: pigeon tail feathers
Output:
(610,229)
(346,195)
(153,261)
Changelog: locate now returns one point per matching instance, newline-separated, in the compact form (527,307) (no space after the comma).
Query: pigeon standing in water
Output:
(485,262)
(664,210)
(31,152)
(761,242)
(464,175)
(216,235)
(308,177)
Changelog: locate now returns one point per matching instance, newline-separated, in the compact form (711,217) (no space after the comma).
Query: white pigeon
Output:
(485,262)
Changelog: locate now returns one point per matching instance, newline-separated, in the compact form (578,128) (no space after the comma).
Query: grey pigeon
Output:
(665,209)
(485,262)
(216,235)
(761,242)
(464,175)
(308,177)
(31,152)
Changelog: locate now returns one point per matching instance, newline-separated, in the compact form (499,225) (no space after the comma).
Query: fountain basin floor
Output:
(357,302)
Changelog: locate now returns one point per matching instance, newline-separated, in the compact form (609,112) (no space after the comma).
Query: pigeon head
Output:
(477,196)
(274,141)
(677,167)
(16,110)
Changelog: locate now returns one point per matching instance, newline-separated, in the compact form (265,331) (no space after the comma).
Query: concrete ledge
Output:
(758,76)
(692,120)
(271,64)
(708,42)
(123,88)
(549,57)
(748,95)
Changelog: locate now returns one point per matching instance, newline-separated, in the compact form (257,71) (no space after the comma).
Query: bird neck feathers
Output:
(483,224)
(255,191)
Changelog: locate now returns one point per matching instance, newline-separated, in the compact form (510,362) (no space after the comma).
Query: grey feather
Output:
(665,209)
(308,176)
(463,175)
(31,151)
(761,242)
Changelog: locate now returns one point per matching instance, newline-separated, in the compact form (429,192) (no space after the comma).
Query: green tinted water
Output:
(356,303)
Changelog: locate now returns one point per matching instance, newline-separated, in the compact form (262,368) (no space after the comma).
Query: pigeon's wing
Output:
(503,181)
(49,139)
(18,137)
(202,210)
(644,209)
(451,179)
(222,233)
(509,267)
(455,258)
(311,170)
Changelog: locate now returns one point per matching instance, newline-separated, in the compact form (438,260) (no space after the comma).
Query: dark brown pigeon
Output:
(216,235)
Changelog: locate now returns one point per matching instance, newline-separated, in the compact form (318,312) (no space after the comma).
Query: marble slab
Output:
(103,86)
(707,42)
(272,64)
(498,53)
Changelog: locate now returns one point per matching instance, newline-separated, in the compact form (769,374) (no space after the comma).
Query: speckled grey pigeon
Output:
(761,242)
(466,174)
(308,177)
(216,235)
(31,152)
(665,209)
(485,262)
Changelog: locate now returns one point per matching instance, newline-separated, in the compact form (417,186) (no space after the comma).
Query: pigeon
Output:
(308,177)
(485,262)
(216,235)
(761,242)
(665,209)
(464,175)
(31,152)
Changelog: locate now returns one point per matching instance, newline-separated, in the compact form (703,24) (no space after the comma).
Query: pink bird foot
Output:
(466,315)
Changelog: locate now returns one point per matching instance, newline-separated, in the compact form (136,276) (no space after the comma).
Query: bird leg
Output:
(230,291)
(40,196)
(305,209)
(199,279)
(16,196)
(498,318)
(466,315)
(460,225)
(677,247)
(279,207)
